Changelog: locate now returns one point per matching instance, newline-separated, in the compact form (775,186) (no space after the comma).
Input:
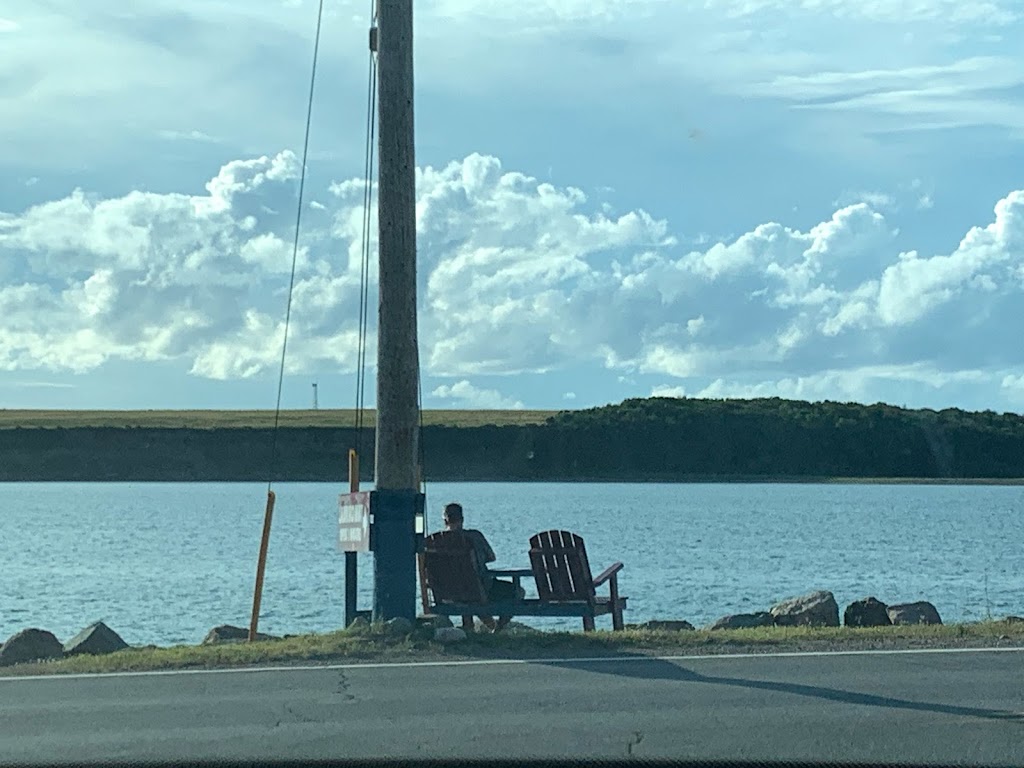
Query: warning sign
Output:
(354,522)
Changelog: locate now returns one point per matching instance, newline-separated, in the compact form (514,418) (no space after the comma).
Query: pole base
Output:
(394,542)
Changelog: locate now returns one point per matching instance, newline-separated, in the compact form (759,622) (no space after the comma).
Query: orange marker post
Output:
(260,566)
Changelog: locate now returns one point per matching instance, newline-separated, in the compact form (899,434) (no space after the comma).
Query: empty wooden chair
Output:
(562,572)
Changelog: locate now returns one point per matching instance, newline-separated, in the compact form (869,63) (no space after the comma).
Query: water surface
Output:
(164,562)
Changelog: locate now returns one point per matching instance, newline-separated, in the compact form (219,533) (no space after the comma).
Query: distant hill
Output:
(772,436)
(665,439)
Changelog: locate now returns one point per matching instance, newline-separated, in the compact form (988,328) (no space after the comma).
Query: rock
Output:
(818,609)
(96,639)
(30,645)
(229,634)
(867,612)
(398,626)
(914,613)
(434,621)
(667,626)
(744,621)
(448,635)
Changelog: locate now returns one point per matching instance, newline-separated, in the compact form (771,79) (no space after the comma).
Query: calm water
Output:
(162,563)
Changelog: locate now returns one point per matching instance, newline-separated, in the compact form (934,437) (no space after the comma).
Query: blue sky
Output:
(818,199)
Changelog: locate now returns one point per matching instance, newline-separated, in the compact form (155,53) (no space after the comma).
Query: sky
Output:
(810,199)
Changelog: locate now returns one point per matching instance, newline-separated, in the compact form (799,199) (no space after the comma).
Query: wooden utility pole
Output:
(397,448)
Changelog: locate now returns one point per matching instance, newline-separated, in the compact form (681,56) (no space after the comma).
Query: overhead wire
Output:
(272,468)
(295,248)
(366,243)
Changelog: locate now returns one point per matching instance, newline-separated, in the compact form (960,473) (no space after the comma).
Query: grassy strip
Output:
(374,644)
(9,419)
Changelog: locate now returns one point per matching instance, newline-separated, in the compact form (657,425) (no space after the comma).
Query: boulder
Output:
(744,621)
(229,634)
(448,635)
(867,612)
(30,645)
(914,613)
(96,639)
(398,626)
(662,625)
(818,609)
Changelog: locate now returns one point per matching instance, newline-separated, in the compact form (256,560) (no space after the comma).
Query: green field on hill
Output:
(211,419)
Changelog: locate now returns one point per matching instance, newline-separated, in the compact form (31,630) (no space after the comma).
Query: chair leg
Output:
(617,623)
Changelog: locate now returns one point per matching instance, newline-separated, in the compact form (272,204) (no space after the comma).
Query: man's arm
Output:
(485,547)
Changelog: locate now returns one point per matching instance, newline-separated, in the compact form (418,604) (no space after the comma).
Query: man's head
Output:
(453,516)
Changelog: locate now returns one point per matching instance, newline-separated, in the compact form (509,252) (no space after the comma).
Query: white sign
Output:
(354,522)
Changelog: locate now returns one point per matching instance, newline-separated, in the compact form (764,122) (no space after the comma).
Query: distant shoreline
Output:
(657,440)
(954,481)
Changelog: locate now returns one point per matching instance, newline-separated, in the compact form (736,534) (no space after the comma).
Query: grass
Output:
(10,419)
(374,644)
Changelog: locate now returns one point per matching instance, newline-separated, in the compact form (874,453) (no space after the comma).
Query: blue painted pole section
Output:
(393,540)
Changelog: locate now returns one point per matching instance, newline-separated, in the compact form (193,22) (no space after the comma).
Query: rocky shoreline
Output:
(814,611)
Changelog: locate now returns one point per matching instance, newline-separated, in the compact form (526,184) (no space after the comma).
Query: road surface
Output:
(947,707)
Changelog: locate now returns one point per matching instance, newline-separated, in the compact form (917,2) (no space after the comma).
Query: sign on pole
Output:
(354,522)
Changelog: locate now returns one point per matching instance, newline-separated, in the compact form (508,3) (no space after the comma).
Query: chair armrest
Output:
(520,572)
(608,572)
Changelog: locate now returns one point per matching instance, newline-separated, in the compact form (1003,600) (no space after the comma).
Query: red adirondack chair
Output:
(562,573)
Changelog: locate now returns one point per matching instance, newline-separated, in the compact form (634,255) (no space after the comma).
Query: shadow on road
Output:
(645,668)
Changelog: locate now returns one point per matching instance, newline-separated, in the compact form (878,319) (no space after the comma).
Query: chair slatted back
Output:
(450,568)
(560,567)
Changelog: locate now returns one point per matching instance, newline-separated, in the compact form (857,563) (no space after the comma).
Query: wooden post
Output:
(261,564)
(397,442)
(351,574)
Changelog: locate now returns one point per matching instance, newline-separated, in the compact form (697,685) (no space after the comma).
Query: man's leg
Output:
(502,591)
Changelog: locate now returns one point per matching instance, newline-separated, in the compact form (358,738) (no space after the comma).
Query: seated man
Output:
(497,589)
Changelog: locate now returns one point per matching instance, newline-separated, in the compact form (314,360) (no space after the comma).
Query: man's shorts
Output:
(501,591)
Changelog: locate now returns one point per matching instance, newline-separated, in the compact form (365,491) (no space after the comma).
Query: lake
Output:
(164,562)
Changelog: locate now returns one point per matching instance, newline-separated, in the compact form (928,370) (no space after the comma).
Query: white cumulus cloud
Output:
(515,275)
(467,395)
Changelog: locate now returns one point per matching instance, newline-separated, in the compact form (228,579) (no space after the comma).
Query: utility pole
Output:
(397,449)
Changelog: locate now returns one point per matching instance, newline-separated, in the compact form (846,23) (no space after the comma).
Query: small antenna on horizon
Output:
(316,400)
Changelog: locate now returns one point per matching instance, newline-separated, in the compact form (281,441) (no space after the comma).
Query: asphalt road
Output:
(909,707)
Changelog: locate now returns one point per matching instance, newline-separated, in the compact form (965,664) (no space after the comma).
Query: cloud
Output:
(36,385)
(855,384)
(152,277)
(192,135)
(668,391)
(119,82)
(986,12)
(469,396)
(516,275)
